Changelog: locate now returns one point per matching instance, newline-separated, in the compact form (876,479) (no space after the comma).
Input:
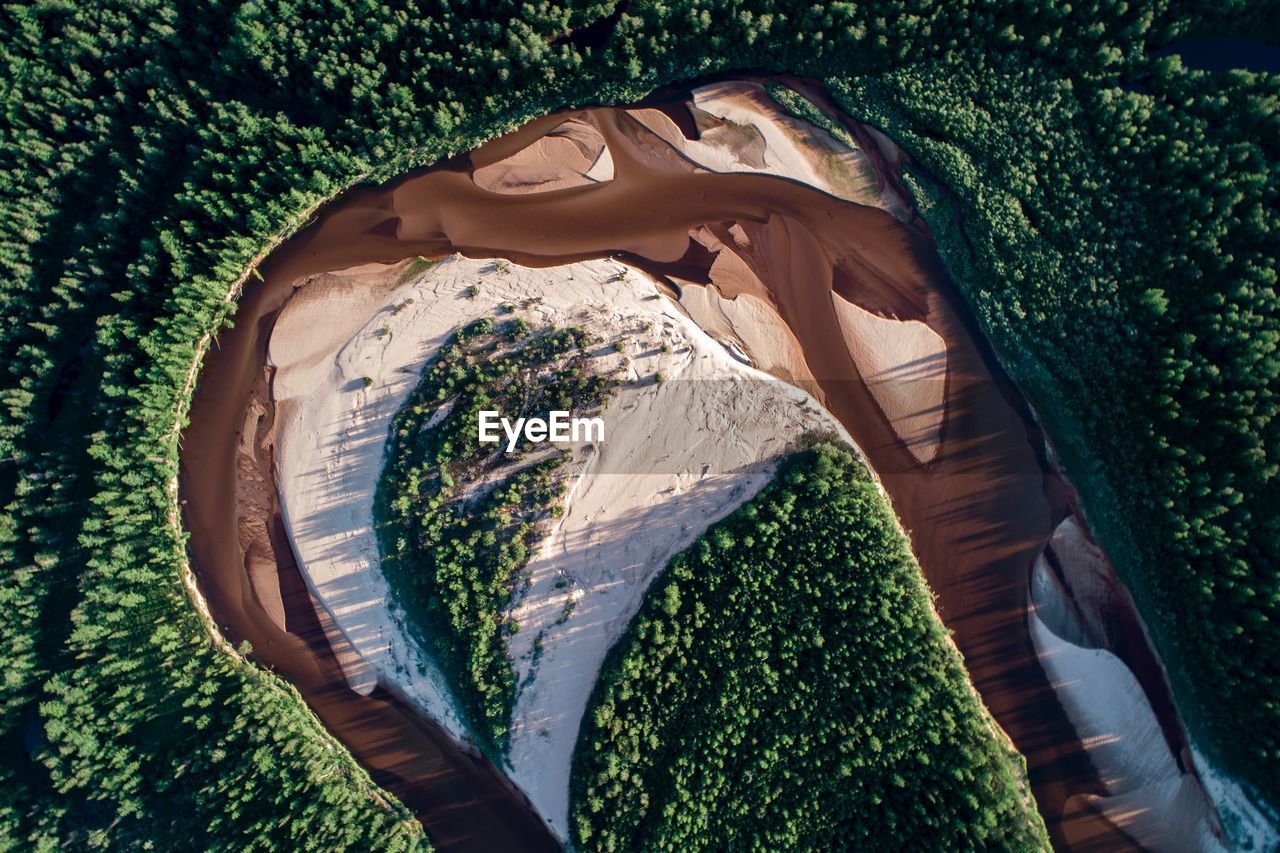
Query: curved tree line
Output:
(787,686)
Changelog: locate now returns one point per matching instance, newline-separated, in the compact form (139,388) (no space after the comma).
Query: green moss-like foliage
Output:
(787,686)
(802,108)
(461,517)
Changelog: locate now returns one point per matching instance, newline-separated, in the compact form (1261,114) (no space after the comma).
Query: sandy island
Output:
(678,456)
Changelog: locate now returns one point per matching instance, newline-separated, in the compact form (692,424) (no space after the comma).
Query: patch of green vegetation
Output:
(460,518)
(802,108)
(786,686)
(417,267)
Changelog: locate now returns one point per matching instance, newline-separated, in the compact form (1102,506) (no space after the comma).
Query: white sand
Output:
(1178,825)
(331,431)
(904,364)
(676,456)
(1109,711)
(1149,797)
(754,325)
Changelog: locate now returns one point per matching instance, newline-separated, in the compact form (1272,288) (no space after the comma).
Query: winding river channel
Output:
(979,513)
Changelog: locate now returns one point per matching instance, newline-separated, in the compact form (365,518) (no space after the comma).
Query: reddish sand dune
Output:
(571,155)
(755,328)
(904,364)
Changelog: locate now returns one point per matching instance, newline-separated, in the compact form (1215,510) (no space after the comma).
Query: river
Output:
(978,514)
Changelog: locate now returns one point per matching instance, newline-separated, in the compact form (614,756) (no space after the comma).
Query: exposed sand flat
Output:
(251,491)
(730,272)
(329,307)
(904,364)
(1150,798)
(329,449)
(677,456)
(260,534)
(660,125)
(571,155)
(1177,826)
(755,325)
(360,674)
(1109,710)
(742,129)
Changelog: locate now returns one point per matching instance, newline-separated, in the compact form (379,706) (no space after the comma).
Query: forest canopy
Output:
(787,686)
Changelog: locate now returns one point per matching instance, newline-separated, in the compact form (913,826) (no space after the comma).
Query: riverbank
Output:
(242,557)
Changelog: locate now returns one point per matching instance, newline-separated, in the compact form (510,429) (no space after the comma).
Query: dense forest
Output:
(788,687)
(458,519)
(1110,214)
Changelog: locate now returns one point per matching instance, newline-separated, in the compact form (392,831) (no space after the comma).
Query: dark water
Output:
(1225,54)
